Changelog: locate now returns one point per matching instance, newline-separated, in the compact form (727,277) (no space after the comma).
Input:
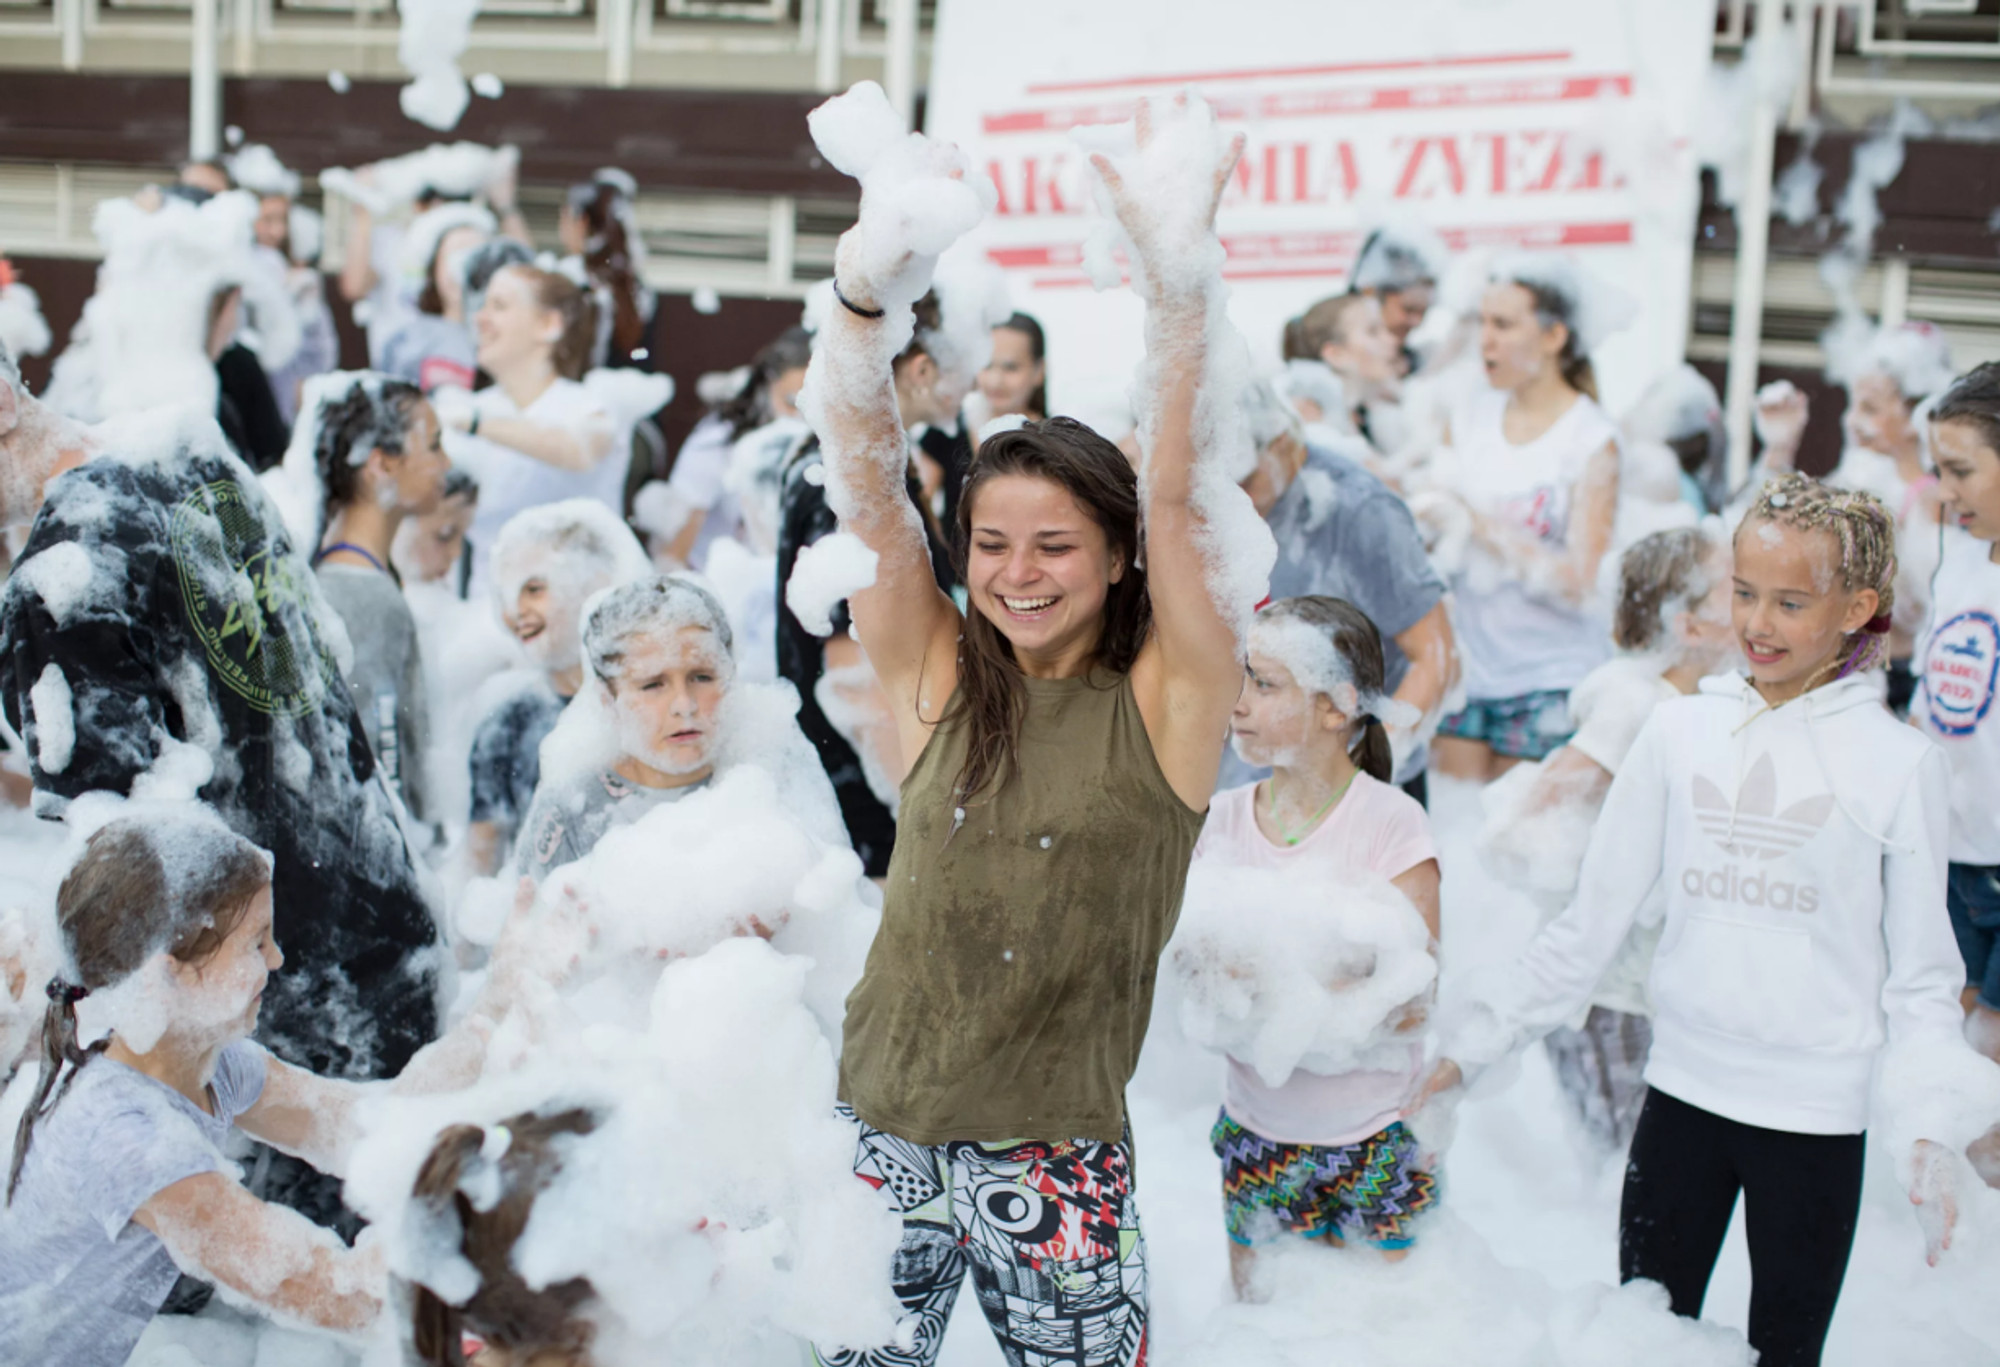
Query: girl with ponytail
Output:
(1312,708)
(118,1184)
(376,446)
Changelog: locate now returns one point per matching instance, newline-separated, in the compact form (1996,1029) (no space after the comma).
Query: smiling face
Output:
(1013,375)
(1877,418)
(1513,344)
(513,328)
(666,699)
(1791,614)
(219,998)
(1039,567)
(545,610)
(1968,476)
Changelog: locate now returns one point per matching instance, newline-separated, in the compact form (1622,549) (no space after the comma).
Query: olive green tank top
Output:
(1009,987)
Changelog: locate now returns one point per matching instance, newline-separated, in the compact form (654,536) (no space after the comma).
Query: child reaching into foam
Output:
(118,1182)
(505,1321)
(1327,1156)
(1798,833)
(1671,629)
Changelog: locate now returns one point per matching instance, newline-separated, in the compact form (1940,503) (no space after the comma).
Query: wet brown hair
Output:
(558,294)
(117,907)
(505,1311)
(1358,642)
(1662,569)
(991,697)
(1974,398)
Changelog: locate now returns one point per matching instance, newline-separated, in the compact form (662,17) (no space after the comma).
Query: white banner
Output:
(1536,123)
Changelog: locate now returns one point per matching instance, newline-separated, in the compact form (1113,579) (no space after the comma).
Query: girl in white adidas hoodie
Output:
(1798,834)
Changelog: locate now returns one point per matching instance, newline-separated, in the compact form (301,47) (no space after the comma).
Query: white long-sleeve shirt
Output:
(1801,852)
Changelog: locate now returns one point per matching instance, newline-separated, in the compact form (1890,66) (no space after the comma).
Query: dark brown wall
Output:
(746,142)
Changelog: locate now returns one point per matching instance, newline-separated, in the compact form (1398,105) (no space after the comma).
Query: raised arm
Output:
(579,448)
(1203,538)
(915,201)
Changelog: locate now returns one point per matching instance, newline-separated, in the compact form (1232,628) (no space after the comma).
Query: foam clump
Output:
(918,195)
(754,1232)
(456,170)
(1284,972)
(827,573)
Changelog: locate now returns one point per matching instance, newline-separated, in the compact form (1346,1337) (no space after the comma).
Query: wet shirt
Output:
(1009,987)
(566,822)
(386,678)
(506,762)
(159,630)
(79,1280)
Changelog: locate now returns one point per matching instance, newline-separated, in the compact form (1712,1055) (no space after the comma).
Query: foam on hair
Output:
(1864,534)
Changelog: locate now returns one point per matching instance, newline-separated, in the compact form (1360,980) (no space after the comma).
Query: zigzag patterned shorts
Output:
(1047,1230)
(1373,1190)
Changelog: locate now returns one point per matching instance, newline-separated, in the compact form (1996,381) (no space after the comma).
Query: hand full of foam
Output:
(1161,177)
(918,196)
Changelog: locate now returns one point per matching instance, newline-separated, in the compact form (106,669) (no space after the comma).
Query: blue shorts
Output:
(1531,726)
(1972,893)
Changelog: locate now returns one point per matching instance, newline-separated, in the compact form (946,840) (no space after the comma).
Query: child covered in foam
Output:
(547,563)
(119,1182)
(1311,1134)
(1671,628)
(661,660)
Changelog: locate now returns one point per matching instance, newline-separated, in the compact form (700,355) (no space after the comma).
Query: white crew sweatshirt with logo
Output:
(1801,853)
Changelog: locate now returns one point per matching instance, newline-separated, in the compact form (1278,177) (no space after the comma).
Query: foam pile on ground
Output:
(754,1231)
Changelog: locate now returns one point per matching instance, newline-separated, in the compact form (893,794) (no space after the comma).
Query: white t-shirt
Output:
(1516,641)
(698,477)
(1958,662)
(79,1280)
(1610,706)
(1375,829)
(510,481)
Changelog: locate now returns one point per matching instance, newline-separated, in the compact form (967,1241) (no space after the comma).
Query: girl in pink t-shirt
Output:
(1323,1156)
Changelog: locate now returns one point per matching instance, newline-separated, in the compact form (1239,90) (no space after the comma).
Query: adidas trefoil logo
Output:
(1752,827)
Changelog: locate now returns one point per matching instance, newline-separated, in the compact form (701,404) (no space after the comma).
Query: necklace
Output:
(1271,787)
(325,551)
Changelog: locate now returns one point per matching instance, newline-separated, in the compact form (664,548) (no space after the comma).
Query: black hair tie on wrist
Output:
(855,308)
(65,994)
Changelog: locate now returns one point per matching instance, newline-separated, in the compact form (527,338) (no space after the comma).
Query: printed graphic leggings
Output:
(1801,1195)
(1047,1229)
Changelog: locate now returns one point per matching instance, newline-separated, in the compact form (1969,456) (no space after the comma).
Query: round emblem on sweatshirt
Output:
(246,602)
(1961,666)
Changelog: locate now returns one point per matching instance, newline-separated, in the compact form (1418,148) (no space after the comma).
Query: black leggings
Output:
(1801,1195)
